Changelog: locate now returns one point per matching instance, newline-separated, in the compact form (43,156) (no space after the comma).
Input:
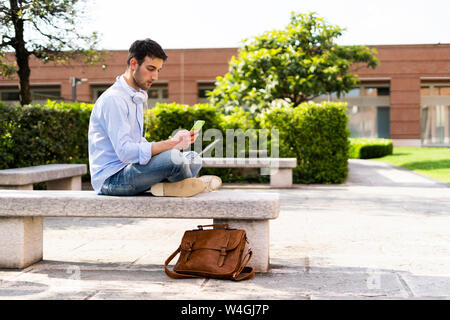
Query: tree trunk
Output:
(24,76)
(22,56)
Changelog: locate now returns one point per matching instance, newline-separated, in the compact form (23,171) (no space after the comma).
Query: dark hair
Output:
(143,48)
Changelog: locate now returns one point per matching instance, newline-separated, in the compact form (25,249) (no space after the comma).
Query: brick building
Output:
(406,98)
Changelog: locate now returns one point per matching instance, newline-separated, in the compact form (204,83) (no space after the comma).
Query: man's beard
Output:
(138,83)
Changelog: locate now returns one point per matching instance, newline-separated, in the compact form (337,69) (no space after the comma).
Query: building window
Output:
(44,94)
(425,91)
(368,109)
(202,93)
(157,93)
(376,91)
(203,89)
(10,95)
(369,122)
(165,93)
(355,92)
(98,91)
(362,121)
(153,93)
(38,94)
(435,114)
(370,92)
(441,91)
(435,123)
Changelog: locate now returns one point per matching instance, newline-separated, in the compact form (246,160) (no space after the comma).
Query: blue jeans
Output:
(171,165)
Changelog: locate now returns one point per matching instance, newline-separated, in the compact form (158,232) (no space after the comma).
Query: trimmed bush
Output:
(42,134)
(366,148)
(165,118)
(7,117)
(315,134)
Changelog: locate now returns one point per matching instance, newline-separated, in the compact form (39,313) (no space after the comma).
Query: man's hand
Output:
(184,138)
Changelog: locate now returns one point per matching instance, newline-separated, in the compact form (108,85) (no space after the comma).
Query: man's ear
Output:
(133,63)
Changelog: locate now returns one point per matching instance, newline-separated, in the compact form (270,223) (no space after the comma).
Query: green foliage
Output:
(315,134)
(293,65)
(7,68)
(238,119)
(365,148)
(49,30)
(43,134)
(6,141)
(53,24)
(165,118)
(431,162)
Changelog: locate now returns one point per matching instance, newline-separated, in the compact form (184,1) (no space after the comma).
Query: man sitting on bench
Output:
(122,162)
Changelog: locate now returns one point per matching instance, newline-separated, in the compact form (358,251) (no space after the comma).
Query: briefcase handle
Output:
(214,226)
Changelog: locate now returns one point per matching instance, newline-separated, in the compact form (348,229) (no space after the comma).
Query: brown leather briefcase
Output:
(212,253)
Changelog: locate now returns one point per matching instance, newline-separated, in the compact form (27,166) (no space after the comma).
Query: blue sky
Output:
(217,24)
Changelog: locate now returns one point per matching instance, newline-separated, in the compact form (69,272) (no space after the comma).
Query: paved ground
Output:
(382,235)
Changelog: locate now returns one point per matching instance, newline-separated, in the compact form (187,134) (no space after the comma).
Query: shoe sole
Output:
(185,188)
(213,183)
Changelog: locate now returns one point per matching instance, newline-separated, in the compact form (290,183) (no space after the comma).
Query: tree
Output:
(292,65)
(45,29)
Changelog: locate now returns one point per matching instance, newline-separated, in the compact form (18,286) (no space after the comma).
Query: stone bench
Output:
(22,212)
(280,169)
(57,176)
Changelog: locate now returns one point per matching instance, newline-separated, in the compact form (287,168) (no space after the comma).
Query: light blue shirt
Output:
(116,133)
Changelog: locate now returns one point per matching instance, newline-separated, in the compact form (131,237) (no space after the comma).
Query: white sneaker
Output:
(185,188)
(211,183)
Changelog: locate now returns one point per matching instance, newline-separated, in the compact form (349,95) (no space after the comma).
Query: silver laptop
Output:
(208,147)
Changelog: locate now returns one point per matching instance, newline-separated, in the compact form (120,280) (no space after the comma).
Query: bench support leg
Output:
(21,241)
(73,183)
(258,237)
(281,178)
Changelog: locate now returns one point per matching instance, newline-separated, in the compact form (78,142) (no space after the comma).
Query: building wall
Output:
(182,72)
(406,67)
(403,67)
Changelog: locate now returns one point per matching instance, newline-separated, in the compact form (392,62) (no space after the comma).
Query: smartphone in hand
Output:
(198,125)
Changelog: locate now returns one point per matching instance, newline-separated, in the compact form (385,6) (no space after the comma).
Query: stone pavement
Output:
(384,234)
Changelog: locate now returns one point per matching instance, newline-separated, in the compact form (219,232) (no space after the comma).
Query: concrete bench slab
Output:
(57,176)
(22,212)
(280,169)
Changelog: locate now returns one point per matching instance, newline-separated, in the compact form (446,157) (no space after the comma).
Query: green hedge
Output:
(164,119)
(315,134)
(365,148)
(43,134)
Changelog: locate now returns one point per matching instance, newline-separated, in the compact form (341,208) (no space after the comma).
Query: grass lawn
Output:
(431,162)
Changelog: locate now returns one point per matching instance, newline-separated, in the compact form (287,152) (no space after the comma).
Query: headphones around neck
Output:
(138,97)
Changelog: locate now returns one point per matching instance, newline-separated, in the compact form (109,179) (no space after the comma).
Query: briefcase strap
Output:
(249,271)
(176,275)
